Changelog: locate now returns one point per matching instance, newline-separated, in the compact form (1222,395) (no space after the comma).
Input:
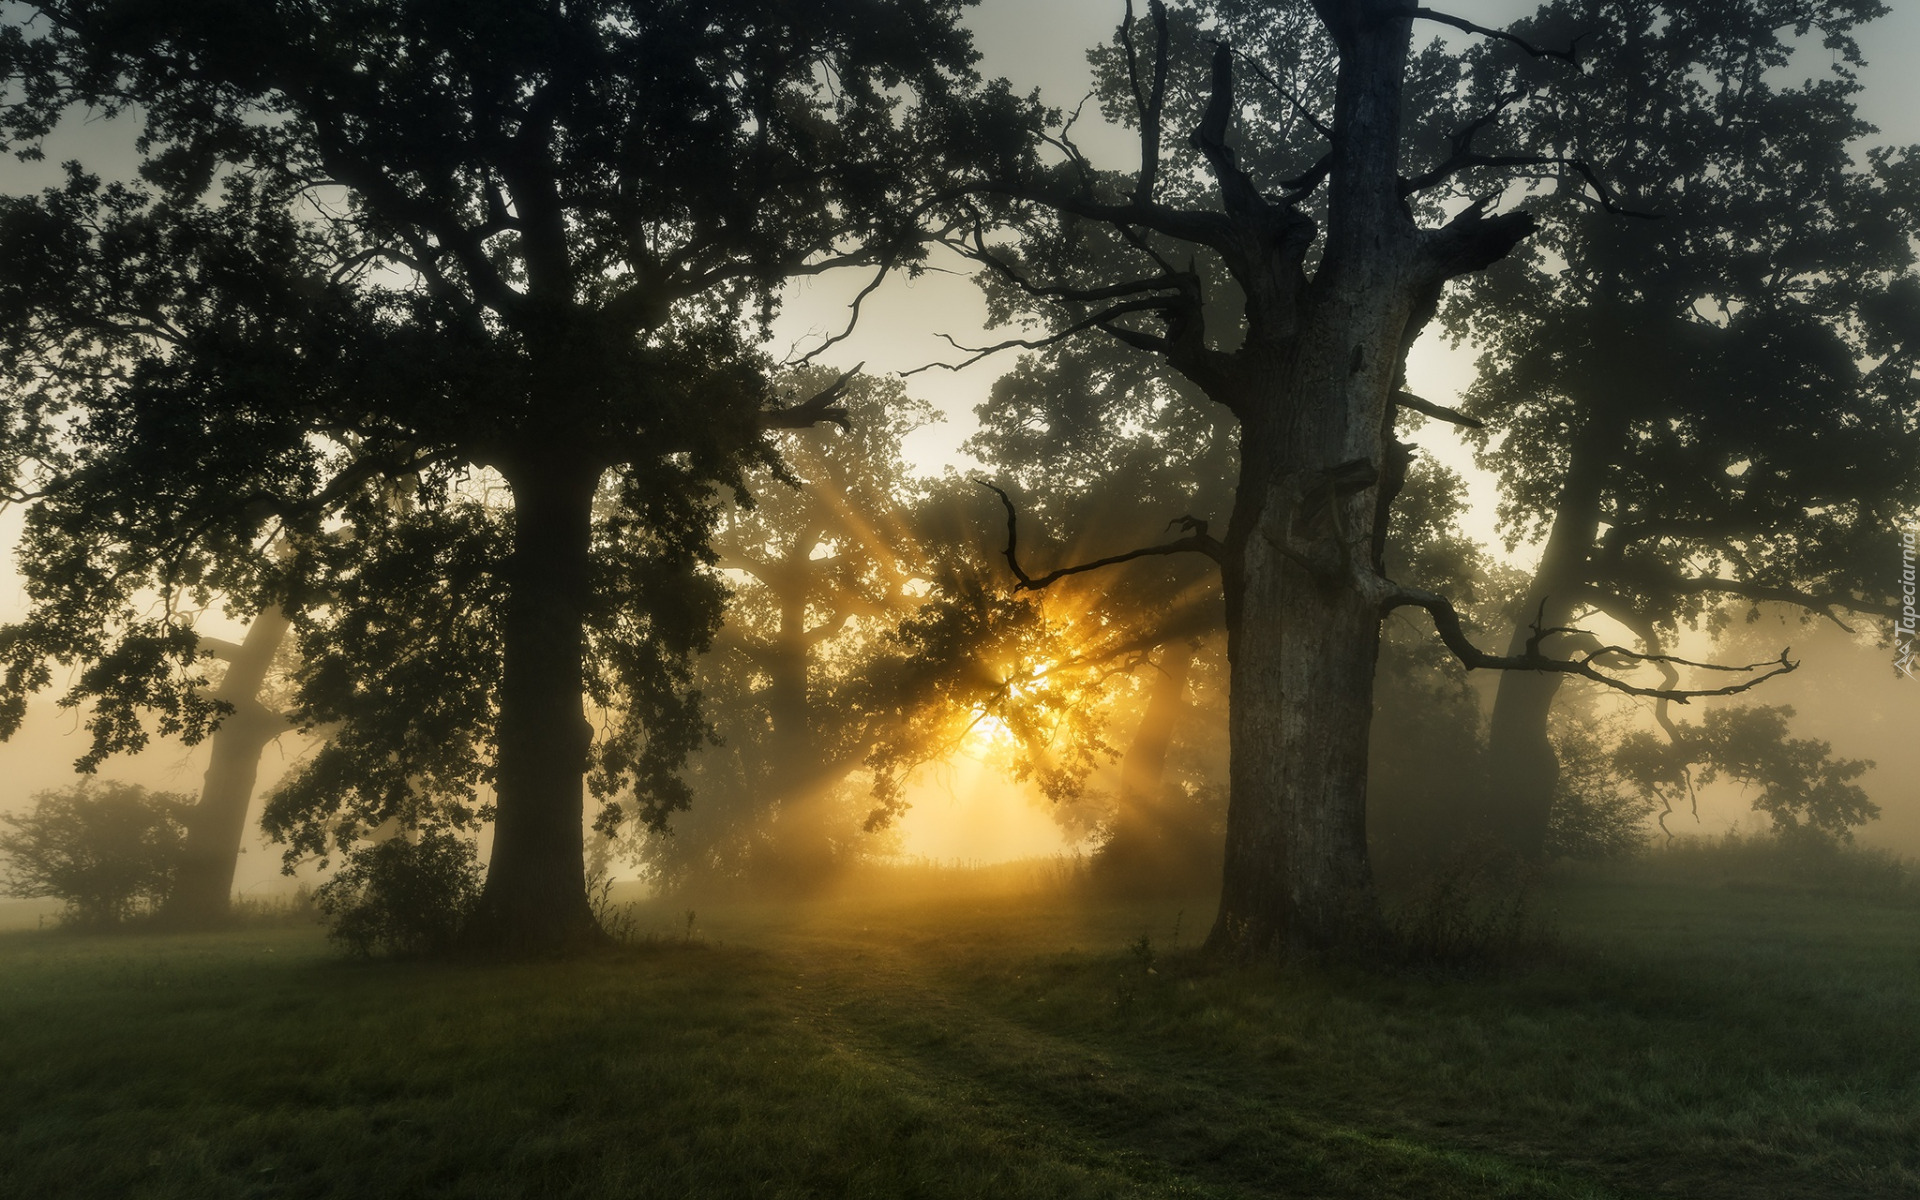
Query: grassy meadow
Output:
(1683,1032)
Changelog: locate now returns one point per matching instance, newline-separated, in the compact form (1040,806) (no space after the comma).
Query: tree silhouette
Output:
(823,557)
(408,250)
(1283,264)
(202,888)
(1714,408)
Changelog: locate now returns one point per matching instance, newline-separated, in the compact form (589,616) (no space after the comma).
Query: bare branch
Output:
(1098,320)
(1307,114)
(1150,104)
(1207,228)
(1210,138)
(1447,622)
(1571,55)
(815,409)
(853,315)
(1197,542)
(1473,241)
(1439,412)
(1461,156)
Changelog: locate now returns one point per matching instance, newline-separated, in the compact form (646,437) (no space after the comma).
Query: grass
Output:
(1684,1037)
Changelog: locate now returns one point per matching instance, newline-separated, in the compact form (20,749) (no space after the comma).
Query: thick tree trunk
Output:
(1523,770)
(1303,630)
(535,898)
(203,885)
(1302,651)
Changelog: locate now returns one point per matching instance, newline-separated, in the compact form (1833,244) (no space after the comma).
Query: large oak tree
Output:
(384,255)
(1284,264)
(1716,408)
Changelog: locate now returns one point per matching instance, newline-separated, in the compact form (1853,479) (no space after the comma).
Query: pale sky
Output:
(1035,43)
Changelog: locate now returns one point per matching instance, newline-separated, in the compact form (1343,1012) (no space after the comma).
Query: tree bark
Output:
(1302,644)
(535,898)
(1302,635)
(202,890)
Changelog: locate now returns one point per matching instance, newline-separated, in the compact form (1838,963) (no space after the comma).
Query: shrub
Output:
(108,850)
(1473,910)
(1595,816)
(402,897)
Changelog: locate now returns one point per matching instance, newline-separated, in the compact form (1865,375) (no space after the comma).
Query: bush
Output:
(402,897)
(108,850)
(1596,816)
(1473,910)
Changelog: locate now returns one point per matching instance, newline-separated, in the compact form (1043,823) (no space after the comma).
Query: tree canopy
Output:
(381,257)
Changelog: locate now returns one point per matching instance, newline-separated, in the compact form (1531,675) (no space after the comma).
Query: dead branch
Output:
(1197,542)
(1446,622)
(1439,412)
(1571,55)
(1098,320)
(1149,104)
(815,409)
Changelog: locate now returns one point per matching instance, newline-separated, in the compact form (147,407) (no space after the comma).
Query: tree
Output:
(1717,407)
(109,850)
(1098,446)
(1808,796)
(866,638)
(202,889)
(1307,358)
(410,251)
(1427,775)
(824,555)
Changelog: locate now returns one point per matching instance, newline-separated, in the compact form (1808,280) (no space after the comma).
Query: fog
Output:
(965,807)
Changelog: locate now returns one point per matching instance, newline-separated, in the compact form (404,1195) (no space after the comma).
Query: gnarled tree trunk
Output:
(1303,635)
(203,884)
(1302,642)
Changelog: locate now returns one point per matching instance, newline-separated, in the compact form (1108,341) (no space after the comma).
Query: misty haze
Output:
(960,598)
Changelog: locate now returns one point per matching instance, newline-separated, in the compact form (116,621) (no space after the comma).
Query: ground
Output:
(1679,1037)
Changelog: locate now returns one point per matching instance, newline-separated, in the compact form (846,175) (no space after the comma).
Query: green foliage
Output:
(1596,814)
(107,850)
(1806,793)
(404,896)
(1721,401)
(548,246)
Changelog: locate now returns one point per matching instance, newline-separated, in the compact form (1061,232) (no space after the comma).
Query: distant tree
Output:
(1099,445)
(202,888)
(107,850)
(1714,409)
(824,555)
(1427,771)
(400,250)
(1806,794)
(868,636)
